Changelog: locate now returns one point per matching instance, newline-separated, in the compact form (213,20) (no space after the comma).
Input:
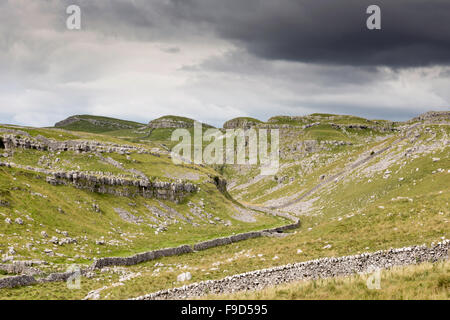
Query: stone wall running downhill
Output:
(242,236)
(140,257)
(28,280)
(151,255)
(319,268)
(17,281)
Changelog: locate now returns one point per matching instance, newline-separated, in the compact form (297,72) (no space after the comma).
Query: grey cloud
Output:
(414,32)
(224,59)
(247,65)
(171,50)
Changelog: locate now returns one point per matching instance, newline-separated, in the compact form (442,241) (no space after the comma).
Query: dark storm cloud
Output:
(414,32)
(214,60)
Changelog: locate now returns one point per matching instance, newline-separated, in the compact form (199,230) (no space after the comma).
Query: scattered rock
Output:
(186,276)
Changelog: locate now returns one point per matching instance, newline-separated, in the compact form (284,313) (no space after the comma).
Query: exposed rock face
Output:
(12,141)
(67,121)
(272,125)
(320,268)
(383,128)
(169,122)
(433,116)
(96,122)
(121,186)
(241,123)
(220,183)
(292,151)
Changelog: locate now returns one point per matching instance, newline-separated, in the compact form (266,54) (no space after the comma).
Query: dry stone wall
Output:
(141,257)
(319,268)
(28,280)
(151,255)
(17,281)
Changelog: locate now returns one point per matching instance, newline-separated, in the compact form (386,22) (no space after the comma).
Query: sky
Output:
(214,60)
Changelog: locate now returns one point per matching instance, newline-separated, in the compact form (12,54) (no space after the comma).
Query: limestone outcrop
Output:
(171,122)
(123,186)
(433,116)
(241,123)
(12,141)
(382,127)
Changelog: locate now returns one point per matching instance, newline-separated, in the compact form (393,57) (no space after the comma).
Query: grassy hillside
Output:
(33,212)
(97,124)
(391,190)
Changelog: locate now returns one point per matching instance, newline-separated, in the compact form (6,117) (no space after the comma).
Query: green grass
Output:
(108,124)
(355,214)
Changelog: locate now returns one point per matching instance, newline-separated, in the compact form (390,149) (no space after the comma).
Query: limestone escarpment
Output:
(433,116)
(382,127)
(119,185)
(67,121)
(170,122)
(12,141)
(241,123)
(123,186)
